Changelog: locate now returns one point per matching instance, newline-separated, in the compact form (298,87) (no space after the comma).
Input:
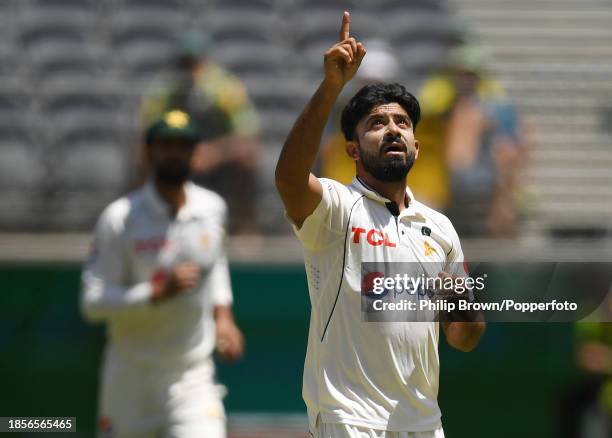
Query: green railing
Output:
(49,357)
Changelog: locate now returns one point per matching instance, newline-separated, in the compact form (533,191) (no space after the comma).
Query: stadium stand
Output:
(554,58)
(65,63)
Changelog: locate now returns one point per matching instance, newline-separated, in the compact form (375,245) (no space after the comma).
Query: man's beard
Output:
(387,169)
(172,173)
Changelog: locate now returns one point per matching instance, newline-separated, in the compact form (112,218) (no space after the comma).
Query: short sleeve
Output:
(327,223)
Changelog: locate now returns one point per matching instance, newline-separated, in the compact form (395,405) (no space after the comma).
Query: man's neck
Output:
(394,191)
(173,195)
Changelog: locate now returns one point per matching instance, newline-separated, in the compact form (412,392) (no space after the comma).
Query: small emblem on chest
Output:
(429,250)
(426,231)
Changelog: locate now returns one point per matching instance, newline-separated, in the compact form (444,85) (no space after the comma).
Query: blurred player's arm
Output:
(103,294)
(104,291)
(463,329)
(230,341)
(300,190)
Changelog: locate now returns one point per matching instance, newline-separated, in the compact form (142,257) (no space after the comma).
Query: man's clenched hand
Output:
(182,277)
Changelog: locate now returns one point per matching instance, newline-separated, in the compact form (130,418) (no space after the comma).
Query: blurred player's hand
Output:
(342,60)
(181,278)
(230,342)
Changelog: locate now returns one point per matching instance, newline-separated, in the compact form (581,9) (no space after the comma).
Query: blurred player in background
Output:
(226,157)
(364,379)
(158,276)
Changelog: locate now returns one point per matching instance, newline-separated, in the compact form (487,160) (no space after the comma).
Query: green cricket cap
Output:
(173,124)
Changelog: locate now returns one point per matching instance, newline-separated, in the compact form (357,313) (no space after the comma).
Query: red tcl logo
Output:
(374,237)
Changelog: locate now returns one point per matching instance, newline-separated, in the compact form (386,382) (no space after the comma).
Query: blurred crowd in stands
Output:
(473,141)
(227,159)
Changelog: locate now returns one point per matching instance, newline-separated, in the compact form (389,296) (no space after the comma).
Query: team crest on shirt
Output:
(429,250)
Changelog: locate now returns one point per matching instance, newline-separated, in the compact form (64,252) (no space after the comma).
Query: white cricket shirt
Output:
(137,239)
(369,374)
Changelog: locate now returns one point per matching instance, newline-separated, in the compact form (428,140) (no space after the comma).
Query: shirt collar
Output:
(372,194)
(159,207)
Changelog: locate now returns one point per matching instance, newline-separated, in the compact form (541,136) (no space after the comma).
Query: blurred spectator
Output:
(428,181)
(227,158)
(586,408)
(467,117)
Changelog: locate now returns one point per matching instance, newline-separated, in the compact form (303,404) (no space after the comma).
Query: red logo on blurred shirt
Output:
(151,244)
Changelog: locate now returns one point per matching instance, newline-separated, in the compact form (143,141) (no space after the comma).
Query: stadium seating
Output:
(16,101)
(555,63)
(65,61)
(22,175)
(72,103)
(10,61)
(68,66)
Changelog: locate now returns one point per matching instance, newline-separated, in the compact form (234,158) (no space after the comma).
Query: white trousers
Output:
(337,430)
(150,403)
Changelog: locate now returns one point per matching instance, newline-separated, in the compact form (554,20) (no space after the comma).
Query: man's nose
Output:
(392,129)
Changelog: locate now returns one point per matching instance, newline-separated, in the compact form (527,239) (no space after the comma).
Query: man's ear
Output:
(352,149)
(416,146)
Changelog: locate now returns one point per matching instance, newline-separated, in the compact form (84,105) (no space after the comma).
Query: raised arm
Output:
(300,190)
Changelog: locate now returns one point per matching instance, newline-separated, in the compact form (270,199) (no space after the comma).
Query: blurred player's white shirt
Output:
(369,374)
(136,239)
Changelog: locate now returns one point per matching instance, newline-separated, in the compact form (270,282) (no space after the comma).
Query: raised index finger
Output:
(346,23)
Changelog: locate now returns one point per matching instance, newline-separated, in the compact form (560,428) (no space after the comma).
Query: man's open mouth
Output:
(394,147)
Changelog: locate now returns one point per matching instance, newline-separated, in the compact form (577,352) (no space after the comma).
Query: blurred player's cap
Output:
(459,33)
(173,124)
(469,58)
(194,44)
(379,64)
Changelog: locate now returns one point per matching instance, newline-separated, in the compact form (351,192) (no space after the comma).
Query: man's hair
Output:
(373,95)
